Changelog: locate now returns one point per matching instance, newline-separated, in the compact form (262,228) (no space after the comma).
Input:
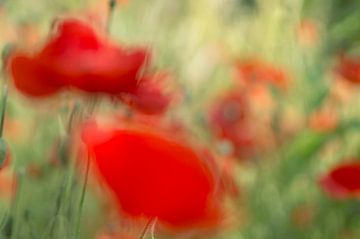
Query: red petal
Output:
(149,96)
(156,176)
(91,63)
(31,78)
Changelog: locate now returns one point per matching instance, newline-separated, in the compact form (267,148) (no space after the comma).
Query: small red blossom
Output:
(343,181)
(229,121)
(154,175)
(256,71)
(76,56)
(349,69)
(324,120)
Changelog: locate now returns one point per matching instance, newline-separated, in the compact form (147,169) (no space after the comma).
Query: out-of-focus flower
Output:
(254,71)
(323,120)
(150,97)
(76,56)
(154,175)
(342,91)
(349,68)
(229,121)
(307,33)
(343,181)
(256,78)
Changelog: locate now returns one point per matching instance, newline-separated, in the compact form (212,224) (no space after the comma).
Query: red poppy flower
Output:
(154,175)
(76,56)
(349,68)
(149,97)
(229,120)
(343,181)
(253,71)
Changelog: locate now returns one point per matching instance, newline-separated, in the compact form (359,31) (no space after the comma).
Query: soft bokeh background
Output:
(200,42)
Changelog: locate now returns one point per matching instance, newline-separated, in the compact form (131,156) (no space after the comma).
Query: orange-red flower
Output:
(76,56)
(152,174)
(324,120)
(349,68)
(255,71)
(343,181)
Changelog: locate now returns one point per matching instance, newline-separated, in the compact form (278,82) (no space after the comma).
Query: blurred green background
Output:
(199,41)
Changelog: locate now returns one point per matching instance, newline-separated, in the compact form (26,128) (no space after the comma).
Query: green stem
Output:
(58,204)
(3,109)
(82,197)
(15,204)
(72,117)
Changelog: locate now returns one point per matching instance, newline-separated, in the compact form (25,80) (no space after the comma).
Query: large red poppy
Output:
(343,181)
(76,56)
(154,175)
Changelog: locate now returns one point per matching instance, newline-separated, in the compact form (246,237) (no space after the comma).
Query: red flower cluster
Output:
(154,175)
(349,69)
(77,57)
(342,181)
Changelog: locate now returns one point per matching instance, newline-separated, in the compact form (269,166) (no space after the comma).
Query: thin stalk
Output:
(17,186)
(58,204)
(74,111)
(151,221)
(82,196)
(112,5)
(152,230)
